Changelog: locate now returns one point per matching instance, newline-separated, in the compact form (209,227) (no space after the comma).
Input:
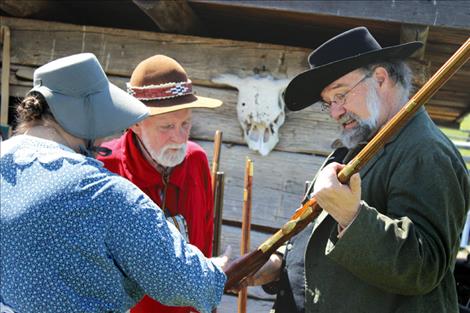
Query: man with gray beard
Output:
(387,240)
(156,155)
(351,138)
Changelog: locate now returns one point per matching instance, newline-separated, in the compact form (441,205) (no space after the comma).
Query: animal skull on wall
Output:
(260,108)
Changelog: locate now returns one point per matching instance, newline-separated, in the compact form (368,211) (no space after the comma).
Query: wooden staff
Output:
(216,158)
(217,196)
(246,224)
(219,208)
(250,263)
(5,37)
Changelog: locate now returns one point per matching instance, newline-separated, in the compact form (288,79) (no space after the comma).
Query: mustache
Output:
(173,146)
(349,116)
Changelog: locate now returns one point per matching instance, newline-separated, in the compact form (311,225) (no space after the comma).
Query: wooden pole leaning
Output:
(246,225)
(216,158)
(219,208)
(5,36)
(248,264)
(217,194)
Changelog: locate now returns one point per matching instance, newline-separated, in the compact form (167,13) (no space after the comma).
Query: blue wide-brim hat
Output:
(82,99)
(336,57)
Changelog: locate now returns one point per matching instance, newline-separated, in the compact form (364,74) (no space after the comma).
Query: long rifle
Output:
(217,192)
(246,225)
(218,209)
(250,263)
(216,158)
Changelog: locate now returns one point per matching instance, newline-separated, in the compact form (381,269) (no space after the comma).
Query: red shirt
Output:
(189,193)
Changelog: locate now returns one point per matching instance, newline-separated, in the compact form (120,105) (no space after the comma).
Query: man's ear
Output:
(380,75)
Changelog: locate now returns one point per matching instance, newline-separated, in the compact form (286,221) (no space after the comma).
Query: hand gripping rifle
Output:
(249,263)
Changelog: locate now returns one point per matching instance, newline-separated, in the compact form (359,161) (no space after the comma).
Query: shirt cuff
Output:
(342,230)
(281,250)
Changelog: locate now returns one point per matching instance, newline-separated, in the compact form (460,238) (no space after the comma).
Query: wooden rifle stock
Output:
(248,264)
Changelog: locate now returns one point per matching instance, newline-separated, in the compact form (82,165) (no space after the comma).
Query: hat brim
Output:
(157,107)
(97,115)
(305,89)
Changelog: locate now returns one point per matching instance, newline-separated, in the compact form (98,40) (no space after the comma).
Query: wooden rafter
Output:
(410,32)
(172,16)
(23,8)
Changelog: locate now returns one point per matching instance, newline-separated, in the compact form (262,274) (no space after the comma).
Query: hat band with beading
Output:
(162,91)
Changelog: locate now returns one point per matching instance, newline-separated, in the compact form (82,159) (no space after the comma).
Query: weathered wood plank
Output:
(119,50)
(278,182)
(447,36)
(231,236)
(307,131)
(455,92)
(229,305)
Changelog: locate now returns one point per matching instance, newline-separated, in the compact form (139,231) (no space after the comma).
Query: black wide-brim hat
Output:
(336,57)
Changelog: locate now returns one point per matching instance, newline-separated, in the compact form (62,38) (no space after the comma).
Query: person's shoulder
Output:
(421,133)
(195,151)
(113,191)
(423,138)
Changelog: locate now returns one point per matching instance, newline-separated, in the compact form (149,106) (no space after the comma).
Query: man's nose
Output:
(336,111)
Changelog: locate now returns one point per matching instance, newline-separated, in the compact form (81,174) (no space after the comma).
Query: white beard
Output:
(364,128)
(164,157)
(168,158)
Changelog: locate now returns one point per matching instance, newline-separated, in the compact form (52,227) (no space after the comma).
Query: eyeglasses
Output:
(340,98)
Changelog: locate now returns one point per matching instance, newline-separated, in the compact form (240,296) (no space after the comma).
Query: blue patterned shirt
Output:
(76,238)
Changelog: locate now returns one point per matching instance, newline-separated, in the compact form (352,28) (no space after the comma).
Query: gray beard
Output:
(164,157)
(170,159)
(364,128)
(352,137)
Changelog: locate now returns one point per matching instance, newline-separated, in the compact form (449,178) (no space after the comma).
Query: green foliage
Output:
(462,134)
(465,125)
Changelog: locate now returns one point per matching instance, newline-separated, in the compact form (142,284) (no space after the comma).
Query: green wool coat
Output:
(399,253)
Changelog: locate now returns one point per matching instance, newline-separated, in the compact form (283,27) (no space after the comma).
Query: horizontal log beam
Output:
(35,43)
(24,8)
(436,13)
(174,16)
